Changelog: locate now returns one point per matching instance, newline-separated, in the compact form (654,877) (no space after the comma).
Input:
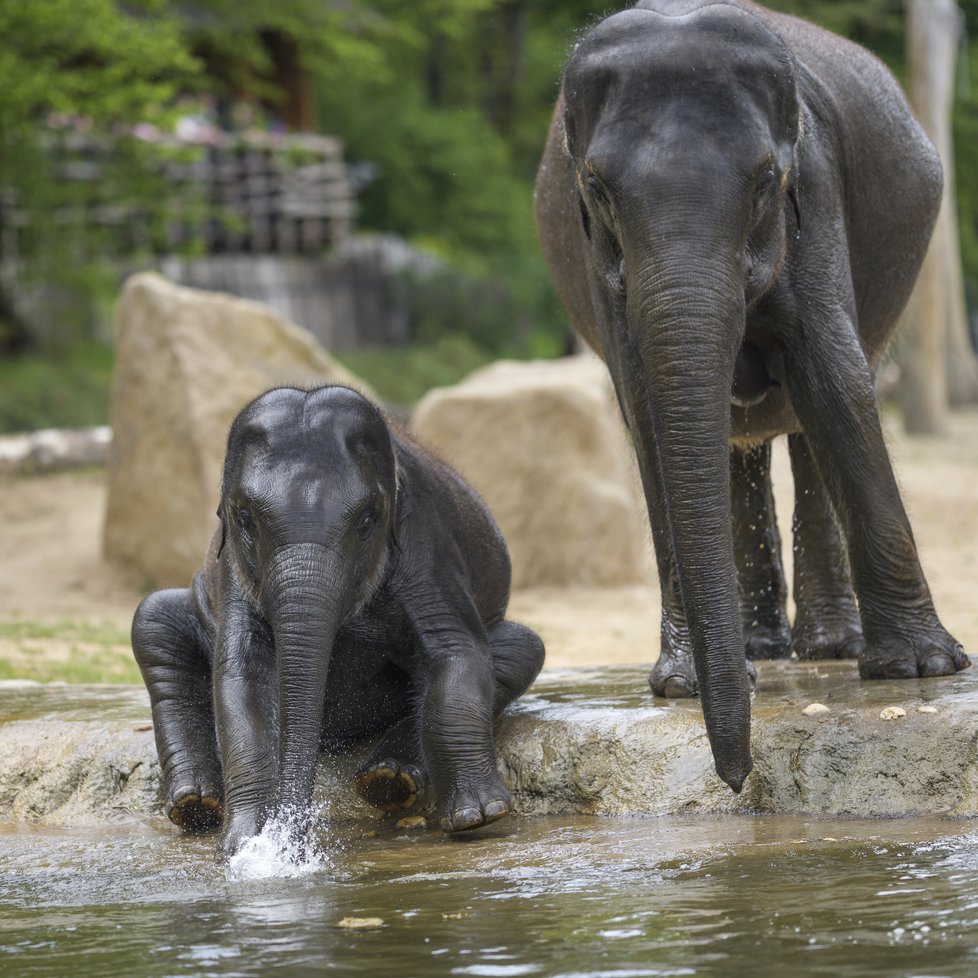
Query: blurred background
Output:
(363,166)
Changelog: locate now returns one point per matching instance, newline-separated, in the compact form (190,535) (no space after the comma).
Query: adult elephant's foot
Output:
(471,806)
(895,652)
(195,808)
(763,641)
(389,784)
(673,676)
(828,640)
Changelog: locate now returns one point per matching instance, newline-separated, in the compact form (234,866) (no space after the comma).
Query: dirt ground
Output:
(51,571)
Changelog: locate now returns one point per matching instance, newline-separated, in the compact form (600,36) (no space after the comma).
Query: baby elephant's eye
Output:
(244,520)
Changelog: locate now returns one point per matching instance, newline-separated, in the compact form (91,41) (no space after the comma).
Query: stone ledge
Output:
(585,741)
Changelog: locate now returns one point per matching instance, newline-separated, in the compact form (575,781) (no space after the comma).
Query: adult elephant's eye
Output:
(243,518)
(763,183)
(367,521)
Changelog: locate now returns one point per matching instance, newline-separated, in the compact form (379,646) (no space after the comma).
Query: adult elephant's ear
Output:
(793,197)
(395,504)
(220,547)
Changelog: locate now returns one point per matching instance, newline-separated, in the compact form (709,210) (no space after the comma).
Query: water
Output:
(594,897)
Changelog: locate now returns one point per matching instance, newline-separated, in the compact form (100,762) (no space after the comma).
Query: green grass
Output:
(66,651)
(70,390)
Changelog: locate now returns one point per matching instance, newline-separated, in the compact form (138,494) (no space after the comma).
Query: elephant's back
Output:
(451,527)
(890,170)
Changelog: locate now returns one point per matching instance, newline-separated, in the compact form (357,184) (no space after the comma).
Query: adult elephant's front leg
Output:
(831,388)
(757,551)
(827,622)
(674,674)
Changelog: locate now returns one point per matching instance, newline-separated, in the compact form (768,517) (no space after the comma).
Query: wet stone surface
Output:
(585,741)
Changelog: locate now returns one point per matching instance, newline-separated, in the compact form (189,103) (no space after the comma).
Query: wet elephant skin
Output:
(356,585)
(734,205)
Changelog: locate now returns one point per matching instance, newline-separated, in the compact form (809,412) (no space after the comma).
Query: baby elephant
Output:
(357,586)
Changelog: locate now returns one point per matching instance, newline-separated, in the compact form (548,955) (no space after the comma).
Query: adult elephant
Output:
(734,205)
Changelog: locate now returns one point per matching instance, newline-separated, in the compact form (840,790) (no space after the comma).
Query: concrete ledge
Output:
(583,741)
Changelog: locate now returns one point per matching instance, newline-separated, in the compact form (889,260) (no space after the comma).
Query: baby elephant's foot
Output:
(907,654)
(390,785)
(194,808)
(468,808)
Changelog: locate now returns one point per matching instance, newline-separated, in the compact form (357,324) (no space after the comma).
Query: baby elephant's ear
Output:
(224,532)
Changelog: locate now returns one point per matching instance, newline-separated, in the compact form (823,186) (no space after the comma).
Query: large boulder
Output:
(186,362)
(544,444)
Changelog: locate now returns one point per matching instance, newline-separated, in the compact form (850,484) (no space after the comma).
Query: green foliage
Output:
(94,57)
(447,101)
(67,390)
(401,375)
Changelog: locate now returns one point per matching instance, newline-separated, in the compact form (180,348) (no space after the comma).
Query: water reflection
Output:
(565,897)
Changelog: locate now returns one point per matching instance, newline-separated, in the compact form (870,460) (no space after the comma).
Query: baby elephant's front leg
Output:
(456,730)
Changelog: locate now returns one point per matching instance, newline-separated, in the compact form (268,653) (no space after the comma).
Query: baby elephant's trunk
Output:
(308,595)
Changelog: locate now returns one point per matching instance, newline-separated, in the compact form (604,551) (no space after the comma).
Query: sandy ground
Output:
(51,570)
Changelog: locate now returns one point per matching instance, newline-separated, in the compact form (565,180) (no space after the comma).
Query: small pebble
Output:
(892,713)
(816,710)
(926,709)
(411,822)
(361,923)
(830,838)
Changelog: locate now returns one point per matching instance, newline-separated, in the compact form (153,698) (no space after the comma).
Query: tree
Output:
(934,354)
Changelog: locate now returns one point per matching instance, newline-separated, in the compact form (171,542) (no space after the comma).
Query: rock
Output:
(411,822)
(545,446)
(186,362)
(583,741)
(816,710)
(926,709)
(360,923)
(892,713)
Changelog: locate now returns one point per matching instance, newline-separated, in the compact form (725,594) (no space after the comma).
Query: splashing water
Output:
(280,850)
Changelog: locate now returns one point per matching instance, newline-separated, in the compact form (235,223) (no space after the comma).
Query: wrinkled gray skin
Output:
(357,585)
(734,205)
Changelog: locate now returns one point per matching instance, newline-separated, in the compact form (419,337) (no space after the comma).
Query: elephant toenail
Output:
(466,818)
(677,688)
(496,809)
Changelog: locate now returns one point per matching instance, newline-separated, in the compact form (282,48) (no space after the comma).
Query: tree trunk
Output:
(935,360)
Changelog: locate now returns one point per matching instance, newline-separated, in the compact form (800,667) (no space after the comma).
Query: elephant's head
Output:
(683,132)
(307,511)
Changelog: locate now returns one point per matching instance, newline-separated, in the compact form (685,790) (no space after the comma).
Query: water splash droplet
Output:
(278,851)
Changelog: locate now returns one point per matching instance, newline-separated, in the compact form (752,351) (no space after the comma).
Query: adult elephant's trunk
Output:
(308,594)
(676,357)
